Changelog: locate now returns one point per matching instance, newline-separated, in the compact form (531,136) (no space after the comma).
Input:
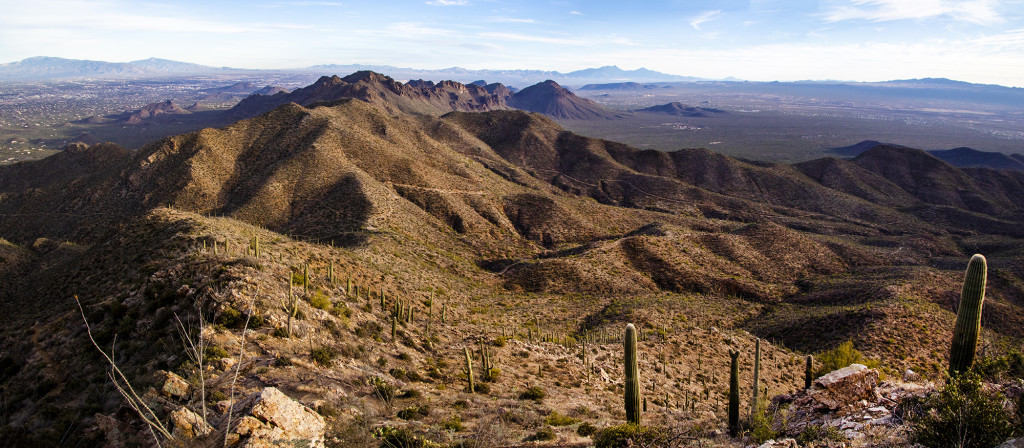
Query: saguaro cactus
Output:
(808,373)
(469,369)
(968,317)
(734,394)
(757,376)
(632,377)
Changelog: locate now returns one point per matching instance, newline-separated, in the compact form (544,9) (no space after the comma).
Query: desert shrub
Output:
(382,389)
(963,414)
(453,423)
(212,353)
(556,419)
(1001,367)
(328,410)
(840,357)
(320,301)
(399,438)
(545,433)
(414,412)
(280,332)
(230,318)
(629,435)
(815,435)
(763,423)
(500,341)
(586,429)
(350,433)
(323,355)
(482,388)
(533,393)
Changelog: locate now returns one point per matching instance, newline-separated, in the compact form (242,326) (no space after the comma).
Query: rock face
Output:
(188,425)
(175,386)
(276,420)
(850,400)
(847,385)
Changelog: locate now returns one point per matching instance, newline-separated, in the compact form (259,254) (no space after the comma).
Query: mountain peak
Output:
(366,76)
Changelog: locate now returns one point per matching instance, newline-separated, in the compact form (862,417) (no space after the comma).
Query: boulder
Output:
(845,386)
(188,424)
(1013,443)
(175,386)
(275,420)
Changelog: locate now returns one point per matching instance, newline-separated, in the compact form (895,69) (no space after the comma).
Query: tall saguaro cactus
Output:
(757,376)
(734,393)
(632,377)
(808,373)
(968,317)
(469,370)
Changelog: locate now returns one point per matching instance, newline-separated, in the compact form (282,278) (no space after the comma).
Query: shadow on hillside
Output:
(341,216)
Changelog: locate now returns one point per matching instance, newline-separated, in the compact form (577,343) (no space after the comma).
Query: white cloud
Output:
(448,2)
(576,13)
(704,17)
(974,11)
(509,20)
(531,38)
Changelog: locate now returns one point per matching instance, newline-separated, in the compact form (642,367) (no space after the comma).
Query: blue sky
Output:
(864,40)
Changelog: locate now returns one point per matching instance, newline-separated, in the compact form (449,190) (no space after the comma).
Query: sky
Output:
(979,41)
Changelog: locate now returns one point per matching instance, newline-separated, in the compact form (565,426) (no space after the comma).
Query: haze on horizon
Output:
(979,41)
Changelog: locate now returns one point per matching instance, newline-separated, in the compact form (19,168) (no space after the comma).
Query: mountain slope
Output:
(555,101)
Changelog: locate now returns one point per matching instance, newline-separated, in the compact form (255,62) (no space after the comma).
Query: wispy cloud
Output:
(975,11)
(448,2)
(704,17)
(1011,40)
(509,20)
(576,13)
(311,3)
(531,38)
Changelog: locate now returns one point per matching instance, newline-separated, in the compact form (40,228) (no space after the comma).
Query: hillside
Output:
(496,228)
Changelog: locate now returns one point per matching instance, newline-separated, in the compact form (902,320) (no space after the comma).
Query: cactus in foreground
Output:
(757,376)
(469,369)
(808,373)
(632,377)
(968,317)
(734,394)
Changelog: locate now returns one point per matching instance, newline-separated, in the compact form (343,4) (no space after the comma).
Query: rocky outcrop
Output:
(847,385)
(851,400)
(275,420)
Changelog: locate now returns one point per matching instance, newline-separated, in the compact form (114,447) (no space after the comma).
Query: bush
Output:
(413,412)
(533,393)
(762,423)
(323,355)
(815,435)
(1002,367)
(556,419)
(964,415)
(629,435)
(382,389)
(319,301)
(399,438)
(545,433)
(212,353)
(453,423)
(585,429)
(840,357)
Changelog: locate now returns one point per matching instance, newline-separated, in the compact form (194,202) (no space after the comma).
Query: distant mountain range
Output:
(38,68)
(959,157)
(43,67)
